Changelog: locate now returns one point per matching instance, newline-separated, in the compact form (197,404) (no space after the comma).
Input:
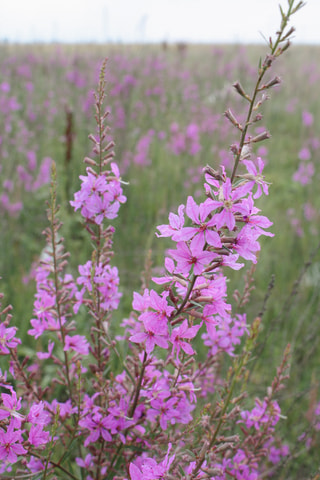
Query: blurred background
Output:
(145,21)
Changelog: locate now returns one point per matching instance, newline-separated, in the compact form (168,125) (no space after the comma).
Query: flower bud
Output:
(262,136)
(229,115)
(241,92)
(90,161)
(274,81)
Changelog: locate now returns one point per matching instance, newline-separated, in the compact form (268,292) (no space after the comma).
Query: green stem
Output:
(256,90)
(54,464)
(53,211)
(239,364)
(132,409)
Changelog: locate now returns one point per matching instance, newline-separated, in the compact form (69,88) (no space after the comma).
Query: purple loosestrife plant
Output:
(147,421)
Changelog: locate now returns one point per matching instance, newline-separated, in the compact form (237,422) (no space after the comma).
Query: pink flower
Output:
(37,414)
(183,331)
(37,436)
(229,202)
(158,310)
(152,336)
(246,244)
(98,426)
(204,229)
(35,465)
(7,338)
(87,463)
(78,343)
(191,256)
(99,196)
(176,223)
(255,174)
(304,154)
(263,413)
(10,406)
(10,444)
(256,222)
(304,173)
(149,469)
(307,118)
(44,355)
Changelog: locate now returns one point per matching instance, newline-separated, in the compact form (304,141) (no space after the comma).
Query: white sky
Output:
(151,20)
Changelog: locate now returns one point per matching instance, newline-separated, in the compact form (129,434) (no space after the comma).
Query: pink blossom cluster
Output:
(185,142)
(209,236)
(148,469)
(20,432)
(304,220)
(112,408)
(264,413)
(105,279)
(100,195)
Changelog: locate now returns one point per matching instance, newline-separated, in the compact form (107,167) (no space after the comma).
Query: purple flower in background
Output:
(304,173)
(192,139)
(142,149)
(5,87)
(307,118)
(35,465)
(304,154)
(87,463)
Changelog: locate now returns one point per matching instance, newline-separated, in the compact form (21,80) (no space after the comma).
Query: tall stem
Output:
(262,71)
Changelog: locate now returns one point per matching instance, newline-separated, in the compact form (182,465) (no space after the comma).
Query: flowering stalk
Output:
(275,51)
(58,265)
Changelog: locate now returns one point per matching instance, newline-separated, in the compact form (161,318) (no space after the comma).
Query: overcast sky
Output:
(151,20)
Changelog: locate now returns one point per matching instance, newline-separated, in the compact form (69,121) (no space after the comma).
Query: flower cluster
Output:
(112,407)
(100,195)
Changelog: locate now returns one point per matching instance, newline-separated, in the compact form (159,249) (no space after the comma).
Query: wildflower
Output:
(149,469)
(10,406)
(191,255)
(98,426)
(37,436)
(255,175)
(152,336)
(7,339)
(204,229)
(176,223)
(78,343)
(229,202)
(37,414)
(10,444)
(183,331)
(307,118)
